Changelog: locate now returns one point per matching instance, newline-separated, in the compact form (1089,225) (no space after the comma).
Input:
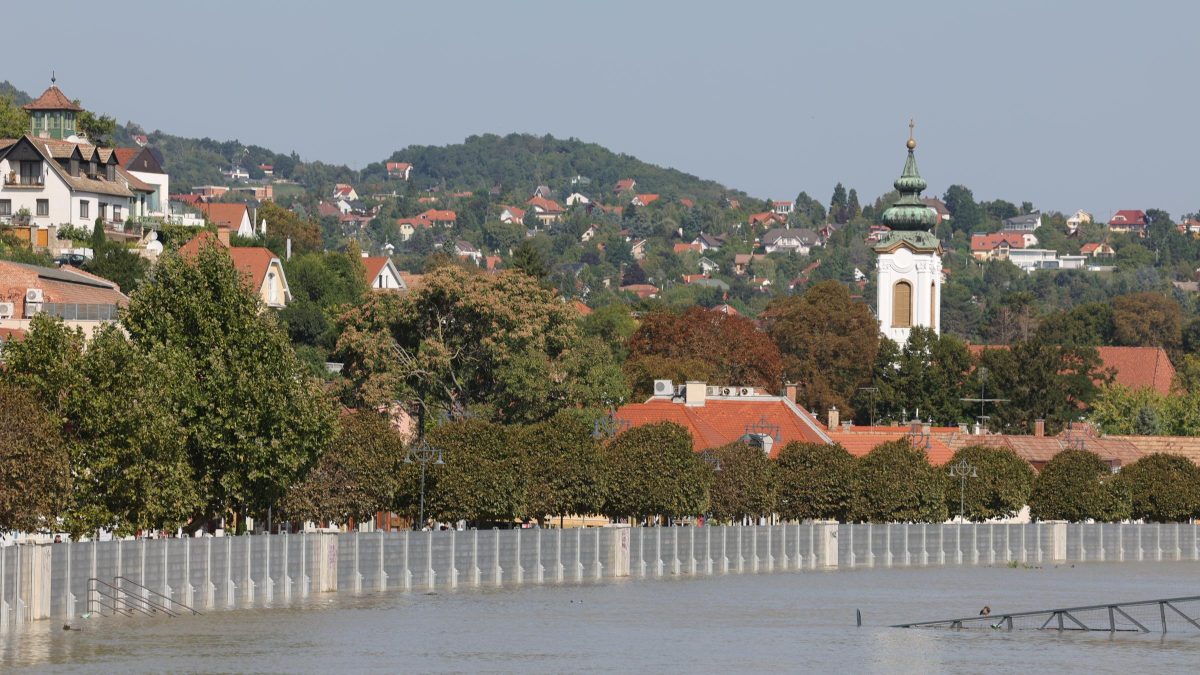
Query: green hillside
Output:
(519,160)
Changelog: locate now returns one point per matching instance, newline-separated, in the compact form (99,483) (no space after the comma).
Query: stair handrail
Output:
(128,609)
(168,598)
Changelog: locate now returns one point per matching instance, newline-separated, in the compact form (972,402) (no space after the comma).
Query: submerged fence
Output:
(38,581)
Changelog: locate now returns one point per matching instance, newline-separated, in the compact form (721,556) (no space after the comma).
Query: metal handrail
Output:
(1006,619)
(94,587)
(154,592)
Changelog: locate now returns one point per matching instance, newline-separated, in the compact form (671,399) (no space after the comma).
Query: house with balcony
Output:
(52,177)
(146,164)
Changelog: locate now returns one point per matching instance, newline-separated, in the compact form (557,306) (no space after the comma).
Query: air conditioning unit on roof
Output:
(745,391)
(6,310)
(33,295)
(728,391)
(664,388)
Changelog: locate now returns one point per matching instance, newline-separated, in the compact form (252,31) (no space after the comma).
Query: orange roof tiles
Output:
(372,266)
(987,242)
(52,99)
(859,441)
(721,421)
(223,214)
(252,262)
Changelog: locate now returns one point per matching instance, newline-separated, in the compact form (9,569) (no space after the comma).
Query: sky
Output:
(1067,105)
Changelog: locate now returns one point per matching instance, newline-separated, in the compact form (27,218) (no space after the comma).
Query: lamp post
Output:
(423,453)
(963,470)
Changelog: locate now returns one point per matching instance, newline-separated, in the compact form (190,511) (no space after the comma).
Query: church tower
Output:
(910,259)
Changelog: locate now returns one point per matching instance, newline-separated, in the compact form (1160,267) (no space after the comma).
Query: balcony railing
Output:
(17,180)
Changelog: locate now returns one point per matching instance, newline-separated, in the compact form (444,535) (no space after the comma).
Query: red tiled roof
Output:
(727,309)
(861,440)
(1038,450)
(439,216)
(583,309)
(126,155)
(682,248)
(1089,248)
(625,184)
(722,421)
(223,214)
(687,202)
(1129,217)
(641,290)
(546,205)
(1135,367)
(764,217)
(372,266)
(398,166)
(987,242)
(252,261)
(517,214)
(52,99)
(647,199)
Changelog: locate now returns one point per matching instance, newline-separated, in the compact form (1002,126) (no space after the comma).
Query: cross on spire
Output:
(911,124)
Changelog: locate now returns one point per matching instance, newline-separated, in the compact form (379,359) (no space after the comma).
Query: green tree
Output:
(1147,320)
(98,128)
(357,476)
(14,121)
(1162,488)
(1039,380)
(529,259)
(613,324)
(744,486)
(33,461)
(254,420)
(482,479)
(1120,410)
(895,483)
(1000,490)
(837,205)
(816,481)
(808,211)
(284,224)
(925,377)
(829,342)
(565,474)
(1076,486)
(653,471)
(966,216)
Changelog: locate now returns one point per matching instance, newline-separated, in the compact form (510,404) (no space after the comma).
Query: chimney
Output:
(846,426)
(962,428)
(926,428)
(694,392)
(789,390)
(223,235)
(1039,427)
(834,418)
(288,253)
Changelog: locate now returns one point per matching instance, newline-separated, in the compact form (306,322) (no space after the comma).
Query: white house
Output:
(1024,223)
(577,198)
(466,250)
(382,274)
(791,240)
(146,165)
(1081,217)
(783,208)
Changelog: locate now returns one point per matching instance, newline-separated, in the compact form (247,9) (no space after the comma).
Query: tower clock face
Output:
(904,258)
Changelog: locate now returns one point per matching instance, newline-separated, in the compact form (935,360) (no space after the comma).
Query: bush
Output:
(652,470)
(895,483)
(1162,488)
(744,486)
(1000,490)
(816,481)
(1077,485)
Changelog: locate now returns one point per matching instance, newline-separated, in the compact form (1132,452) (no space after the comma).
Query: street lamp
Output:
(423,453)
(963,470)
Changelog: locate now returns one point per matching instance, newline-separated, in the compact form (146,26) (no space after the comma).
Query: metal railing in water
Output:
(1144,616)
(120,582)
(117,599)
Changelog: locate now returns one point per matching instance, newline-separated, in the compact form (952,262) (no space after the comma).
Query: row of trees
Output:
(498,474)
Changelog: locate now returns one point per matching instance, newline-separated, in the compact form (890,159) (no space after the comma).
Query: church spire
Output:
(909,213)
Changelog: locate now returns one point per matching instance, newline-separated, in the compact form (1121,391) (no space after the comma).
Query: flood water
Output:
(789,622)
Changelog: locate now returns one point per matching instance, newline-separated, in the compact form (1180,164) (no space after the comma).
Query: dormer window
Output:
(110,172)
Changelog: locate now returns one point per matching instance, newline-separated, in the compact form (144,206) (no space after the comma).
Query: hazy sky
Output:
(1066,104)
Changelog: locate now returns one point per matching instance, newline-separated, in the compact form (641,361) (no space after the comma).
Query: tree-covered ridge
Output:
(481,162)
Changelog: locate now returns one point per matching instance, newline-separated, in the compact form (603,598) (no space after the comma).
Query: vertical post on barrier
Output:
(579,554)
(540,574)
(518,568)
(476,573)
(383,575)
(453,558)
(598,567)
(496,569)
(559,568)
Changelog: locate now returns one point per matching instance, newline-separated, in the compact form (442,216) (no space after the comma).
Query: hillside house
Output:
(742,262)
(707,242)
(624,185)
(146,164)
(1078,218)
(1128,220)
(261,270)
(467,251)
(344,191)
(1100,249)
(547,211)
(997,245)
(643,291)
(512,214)
(381,274)
(1023,223)
(685,248)
(638,249)
(767,219)
(577,198)
(784,209)
(399,170)
(793,240)
(708,267)
(232,216)
(644,199)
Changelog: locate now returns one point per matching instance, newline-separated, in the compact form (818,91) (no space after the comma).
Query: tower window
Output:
(933,306)
(902,309)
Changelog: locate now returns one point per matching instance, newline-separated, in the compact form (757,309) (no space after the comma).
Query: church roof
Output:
(909,212)
(52,99)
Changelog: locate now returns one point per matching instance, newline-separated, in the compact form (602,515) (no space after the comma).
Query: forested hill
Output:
(7,90)
(482,162)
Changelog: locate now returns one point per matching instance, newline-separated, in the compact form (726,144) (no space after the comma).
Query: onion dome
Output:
(909,213)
